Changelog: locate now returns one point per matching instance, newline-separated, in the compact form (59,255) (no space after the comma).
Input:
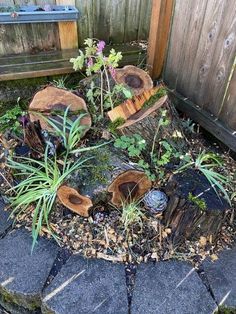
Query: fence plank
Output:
(190,46)
(158,36)
(144,20)
(182,15)
(29,38)
(132,12)
(222,60)
(228,111)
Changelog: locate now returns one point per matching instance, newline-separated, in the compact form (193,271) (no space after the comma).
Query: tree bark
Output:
(146,122)
(185,218)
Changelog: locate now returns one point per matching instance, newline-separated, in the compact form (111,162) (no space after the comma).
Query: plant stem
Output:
(102,109)
(109,87)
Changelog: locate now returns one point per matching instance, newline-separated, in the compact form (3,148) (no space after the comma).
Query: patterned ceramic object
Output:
(156,201)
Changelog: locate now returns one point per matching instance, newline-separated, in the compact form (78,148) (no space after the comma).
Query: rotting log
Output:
(146,122)
(194,209)
(109,176)
(51,100)
(33,138)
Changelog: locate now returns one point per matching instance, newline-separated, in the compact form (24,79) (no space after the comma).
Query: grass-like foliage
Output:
(131,215)
(207,163)
(70,131)
(39,187)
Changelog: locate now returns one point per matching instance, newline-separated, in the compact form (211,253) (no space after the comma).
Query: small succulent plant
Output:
(156,201)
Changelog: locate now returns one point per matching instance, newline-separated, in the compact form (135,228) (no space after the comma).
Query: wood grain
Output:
(68,33)
(181,18)
(228,110)
(200,60)
(115,21)
(159,34)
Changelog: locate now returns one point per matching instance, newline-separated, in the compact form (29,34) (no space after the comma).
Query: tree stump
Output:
(51,101)
(108,172)
(186,218)
(146,122)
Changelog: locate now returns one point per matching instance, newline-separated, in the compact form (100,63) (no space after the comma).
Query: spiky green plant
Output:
(206,163)
(41,180)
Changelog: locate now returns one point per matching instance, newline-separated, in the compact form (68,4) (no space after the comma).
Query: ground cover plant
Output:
(149,176)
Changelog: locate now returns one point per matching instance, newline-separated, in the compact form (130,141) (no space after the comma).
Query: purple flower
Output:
(90,62)
(112,72)
(100,46)
(24,120)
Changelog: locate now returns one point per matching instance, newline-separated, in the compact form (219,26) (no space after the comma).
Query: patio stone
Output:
(221,276)
(5,222)
(87,286)
(170,287)
(22,274)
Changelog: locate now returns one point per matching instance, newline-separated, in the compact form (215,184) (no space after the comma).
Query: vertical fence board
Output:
(201,54)
(222,60)
(116,21)
(190,45)
(180,24)
(144,19)
(132,13)
(228,111)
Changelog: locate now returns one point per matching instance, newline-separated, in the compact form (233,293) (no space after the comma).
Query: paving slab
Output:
(22,274)
(5,221)
(171,287)
(87,286)
(221,276)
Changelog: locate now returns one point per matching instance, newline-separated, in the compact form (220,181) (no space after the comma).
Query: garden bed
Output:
(110,170)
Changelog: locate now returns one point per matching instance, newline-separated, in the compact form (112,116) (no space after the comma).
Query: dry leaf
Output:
(214,257)
(203,241)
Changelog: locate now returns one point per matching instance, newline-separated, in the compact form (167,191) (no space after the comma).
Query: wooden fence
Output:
(200,63)
(116,21)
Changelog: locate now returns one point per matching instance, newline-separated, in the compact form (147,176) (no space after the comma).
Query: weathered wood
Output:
(189,219)
(206,120)
(115,21)
(200,58)
(30,38)
(228,111)
(53,63)
(158,35)
(146,123)
(68,33)
(181,17)
(106,165)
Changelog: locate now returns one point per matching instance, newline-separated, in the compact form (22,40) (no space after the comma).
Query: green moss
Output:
(18,300)
(226,310)
(160,93)
(112,127)
(201,204)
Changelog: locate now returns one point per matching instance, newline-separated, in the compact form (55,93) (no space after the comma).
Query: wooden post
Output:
(68,32)
(159,34)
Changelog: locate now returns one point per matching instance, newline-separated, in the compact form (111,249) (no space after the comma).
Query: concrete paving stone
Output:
(87,286)
(22,274)
(221,275)
(171,287)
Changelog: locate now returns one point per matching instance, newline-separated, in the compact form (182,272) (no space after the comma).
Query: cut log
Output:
(96,180)
(129,186)
(73,200)
(131,106)
(51,101)
(186,214)
(135,78)
(146,122)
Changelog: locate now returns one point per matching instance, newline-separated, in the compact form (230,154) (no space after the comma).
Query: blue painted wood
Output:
(35,14)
